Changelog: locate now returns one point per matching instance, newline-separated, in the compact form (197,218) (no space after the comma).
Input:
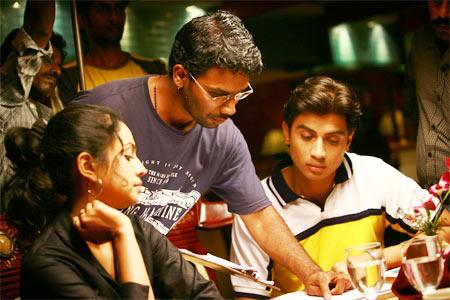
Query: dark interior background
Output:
(364,43)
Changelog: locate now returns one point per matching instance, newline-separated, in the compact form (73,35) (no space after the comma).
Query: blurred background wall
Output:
(364,43)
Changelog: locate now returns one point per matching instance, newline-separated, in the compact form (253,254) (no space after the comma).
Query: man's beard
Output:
(441,27)
(43,97)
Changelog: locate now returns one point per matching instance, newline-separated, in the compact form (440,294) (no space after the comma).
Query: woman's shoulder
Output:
(142,227)
(55,239)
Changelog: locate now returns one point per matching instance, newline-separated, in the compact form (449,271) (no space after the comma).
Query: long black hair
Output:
(44,160)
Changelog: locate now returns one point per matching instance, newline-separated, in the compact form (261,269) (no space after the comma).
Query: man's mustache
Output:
(441,21)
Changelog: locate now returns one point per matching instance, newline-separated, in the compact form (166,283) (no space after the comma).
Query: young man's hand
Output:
(319,283)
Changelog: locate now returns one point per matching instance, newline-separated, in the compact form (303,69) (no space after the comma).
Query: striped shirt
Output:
(363,203)
(429,68)
(16,109)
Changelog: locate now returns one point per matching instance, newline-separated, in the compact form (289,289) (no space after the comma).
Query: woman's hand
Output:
(99,223)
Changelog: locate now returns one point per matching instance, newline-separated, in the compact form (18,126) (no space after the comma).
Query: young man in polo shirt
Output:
(330,199)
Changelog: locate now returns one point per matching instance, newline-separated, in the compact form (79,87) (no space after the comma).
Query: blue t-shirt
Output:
(181,166)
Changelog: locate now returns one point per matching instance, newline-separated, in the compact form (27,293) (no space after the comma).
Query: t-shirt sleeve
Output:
(402,195)
(245,251)
(97,96)
(118,95)
(237,183)
(90,97)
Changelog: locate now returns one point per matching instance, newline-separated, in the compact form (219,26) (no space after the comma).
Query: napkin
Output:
(404,290)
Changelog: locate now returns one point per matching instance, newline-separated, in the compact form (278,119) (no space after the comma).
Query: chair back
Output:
(10,260)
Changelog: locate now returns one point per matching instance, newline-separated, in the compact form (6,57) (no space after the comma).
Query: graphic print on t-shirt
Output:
(168,195)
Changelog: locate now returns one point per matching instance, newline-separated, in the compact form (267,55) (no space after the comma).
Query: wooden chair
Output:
(213,214)
(206,216)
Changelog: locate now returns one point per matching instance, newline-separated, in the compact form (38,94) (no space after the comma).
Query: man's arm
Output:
(444,226)
(393,254)
(274,237)
(38,21)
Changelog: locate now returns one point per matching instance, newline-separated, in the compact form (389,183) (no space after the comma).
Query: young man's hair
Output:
(323,95)
(219,40)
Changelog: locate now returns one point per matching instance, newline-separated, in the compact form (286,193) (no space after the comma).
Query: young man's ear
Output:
(179,75)
(86,166)
(285,128)
(350,139)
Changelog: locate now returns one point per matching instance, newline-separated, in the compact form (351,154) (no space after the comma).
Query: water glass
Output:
(366,267)
(423,263)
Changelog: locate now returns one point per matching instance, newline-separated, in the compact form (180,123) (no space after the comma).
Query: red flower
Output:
(425,217)
(445,181)
(429,205)
(435,190)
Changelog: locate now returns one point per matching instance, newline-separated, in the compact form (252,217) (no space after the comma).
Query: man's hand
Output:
(340,266)
(319,283)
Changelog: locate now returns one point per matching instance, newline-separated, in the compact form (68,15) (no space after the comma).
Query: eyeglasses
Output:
(225,98)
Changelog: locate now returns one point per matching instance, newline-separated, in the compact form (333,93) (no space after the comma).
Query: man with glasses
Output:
(189,145)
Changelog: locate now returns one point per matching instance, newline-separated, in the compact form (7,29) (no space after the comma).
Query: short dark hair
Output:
(83,6)
(323,95)
(44,160)
(57,41)
(217,39)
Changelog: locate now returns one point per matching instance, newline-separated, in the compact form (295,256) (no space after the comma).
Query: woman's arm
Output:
(99,223)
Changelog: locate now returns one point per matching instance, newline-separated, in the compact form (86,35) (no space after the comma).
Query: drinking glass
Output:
(423,263)
(366,267)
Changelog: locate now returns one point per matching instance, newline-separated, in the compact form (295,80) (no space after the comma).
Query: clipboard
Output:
(225,266)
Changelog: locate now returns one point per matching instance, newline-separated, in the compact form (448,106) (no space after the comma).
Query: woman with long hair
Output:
(72,178)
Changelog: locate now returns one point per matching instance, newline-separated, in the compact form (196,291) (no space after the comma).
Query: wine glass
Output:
(366,267)
(423,263)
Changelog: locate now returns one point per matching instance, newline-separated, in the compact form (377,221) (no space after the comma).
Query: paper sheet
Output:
(224,265)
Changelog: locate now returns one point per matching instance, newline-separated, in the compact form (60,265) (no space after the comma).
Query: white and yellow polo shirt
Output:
(363,203)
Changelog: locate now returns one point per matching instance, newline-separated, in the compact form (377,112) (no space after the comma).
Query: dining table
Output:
(385,292)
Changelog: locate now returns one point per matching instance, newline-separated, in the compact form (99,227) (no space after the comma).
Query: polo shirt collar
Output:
(343,173)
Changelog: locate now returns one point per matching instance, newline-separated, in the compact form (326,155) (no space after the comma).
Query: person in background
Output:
(103,23)
(187,140)
(85,246)
(428,68)
(30,68)
(368,139)
(329,198)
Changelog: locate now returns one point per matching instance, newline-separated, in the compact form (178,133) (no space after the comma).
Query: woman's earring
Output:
(99,188)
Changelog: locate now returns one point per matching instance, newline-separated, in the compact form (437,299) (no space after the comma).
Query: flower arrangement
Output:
(425,218)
